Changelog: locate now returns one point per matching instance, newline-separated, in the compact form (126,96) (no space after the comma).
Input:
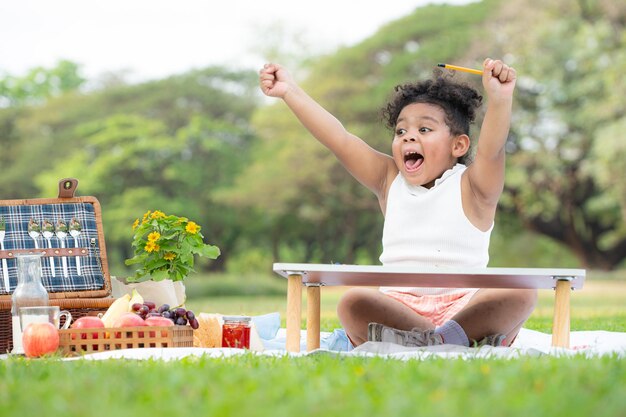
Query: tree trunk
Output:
(585,249)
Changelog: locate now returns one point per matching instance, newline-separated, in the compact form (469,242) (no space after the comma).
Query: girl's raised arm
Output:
(370,167)
(485,175)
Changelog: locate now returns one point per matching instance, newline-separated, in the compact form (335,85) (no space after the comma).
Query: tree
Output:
(311,203)
(166,144)
(196,144)
(133,165)
(39,84)
(565,136)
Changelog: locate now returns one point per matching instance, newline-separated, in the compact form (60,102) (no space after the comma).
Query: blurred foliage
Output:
(569,56)
(566,133)
(317,211)
(220,284)
(163,145)
(39,84)
(202,145)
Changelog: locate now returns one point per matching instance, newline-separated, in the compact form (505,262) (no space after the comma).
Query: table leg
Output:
(312,317)
(294,312)
(561,321)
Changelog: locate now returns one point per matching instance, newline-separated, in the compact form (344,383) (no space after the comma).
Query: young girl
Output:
(438,212)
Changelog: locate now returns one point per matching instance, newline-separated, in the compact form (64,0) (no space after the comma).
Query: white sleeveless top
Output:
(427,227)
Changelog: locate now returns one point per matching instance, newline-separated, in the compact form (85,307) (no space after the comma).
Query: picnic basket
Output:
(81,282)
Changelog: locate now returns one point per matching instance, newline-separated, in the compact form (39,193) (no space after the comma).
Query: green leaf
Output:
(136,259)
(209,251)
(159,275)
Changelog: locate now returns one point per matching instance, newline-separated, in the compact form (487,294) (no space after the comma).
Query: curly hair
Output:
(458,101)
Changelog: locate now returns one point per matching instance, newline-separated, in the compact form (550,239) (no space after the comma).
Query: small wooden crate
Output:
(73,342)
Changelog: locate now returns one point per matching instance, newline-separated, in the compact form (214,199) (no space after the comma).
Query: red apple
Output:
(88,322)
(159,321)
(129,320)
(39,339)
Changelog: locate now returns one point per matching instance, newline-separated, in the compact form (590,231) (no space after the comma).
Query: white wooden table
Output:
(314,276)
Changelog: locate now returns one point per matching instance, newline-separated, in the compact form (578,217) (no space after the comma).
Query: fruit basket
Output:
(74,342)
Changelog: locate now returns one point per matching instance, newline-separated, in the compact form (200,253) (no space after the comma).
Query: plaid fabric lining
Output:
(17,237)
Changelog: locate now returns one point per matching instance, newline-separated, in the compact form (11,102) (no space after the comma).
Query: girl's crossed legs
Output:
(480,313)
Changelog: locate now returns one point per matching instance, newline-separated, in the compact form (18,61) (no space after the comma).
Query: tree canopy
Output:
(204,145)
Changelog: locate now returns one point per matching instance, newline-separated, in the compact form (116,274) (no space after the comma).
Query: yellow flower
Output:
(192,228)
(151,247)
(181,238)
(157,215)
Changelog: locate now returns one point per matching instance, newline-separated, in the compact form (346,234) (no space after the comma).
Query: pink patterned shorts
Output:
(436,308)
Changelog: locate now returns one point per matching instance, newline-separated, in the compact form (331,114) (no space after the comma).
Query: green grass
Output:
(249,385)
(314,386)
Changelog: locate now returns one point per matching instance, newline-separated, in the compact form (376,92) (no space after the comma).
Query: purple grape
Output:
(181,321)
(150,304)
(167,314)
(136,306)
(180,312)
(194,323)
(163,308)
(190,315)
(144,309)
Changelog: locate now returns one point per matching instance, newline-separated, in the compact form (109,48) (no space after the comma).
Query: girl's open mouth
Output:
(412,161)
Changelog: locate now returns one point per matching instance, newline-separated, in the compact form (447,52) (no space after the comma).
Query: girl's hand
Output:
(275,81)
(498,79)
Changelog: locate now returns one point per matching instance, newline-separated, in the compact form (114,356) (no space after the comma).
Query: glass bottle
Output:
(236,332)
(29,292)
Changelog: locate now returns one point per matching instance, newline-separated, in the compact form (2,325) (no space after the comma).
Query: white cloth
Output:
(428,227)
(589,344)
(529,343)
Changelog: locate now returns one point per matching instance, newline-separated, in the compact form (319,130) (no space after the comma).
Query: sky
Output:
(150,39)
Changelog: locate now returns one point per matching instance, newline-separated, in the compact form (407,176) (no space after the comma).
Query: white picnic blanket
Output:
(529,343)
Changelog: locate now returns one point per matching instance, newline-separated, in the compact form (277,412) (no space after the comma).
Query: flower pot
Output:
(160,292)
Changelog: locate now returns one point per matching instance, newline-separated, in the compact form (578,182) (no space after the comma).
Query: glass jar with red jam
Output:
(236,332)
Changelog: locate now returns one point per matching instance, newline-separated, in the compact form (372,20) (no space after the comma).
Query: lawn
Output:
(331,386)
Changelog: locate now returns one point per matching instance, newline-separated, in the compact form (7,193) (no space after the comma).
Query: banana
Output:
(119,307)
(135,298)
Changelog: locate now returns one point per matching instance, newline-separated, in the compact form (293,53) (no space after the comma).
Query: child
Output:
(438,212)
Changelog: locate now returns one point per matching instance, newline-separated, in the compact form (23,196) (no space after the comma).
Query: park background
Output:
(203,143)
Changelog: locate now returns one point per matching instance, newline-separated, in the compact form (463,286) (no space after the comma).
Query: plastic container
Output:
(236,332)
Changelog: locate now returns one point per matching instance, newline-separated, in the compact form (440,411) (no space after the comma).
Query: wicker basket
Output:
(74,342)
(78,307)
(84,294)
(94,281)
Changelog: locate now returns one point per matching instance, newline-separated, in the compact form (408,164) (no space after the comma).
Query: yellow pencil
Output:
(464,69)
